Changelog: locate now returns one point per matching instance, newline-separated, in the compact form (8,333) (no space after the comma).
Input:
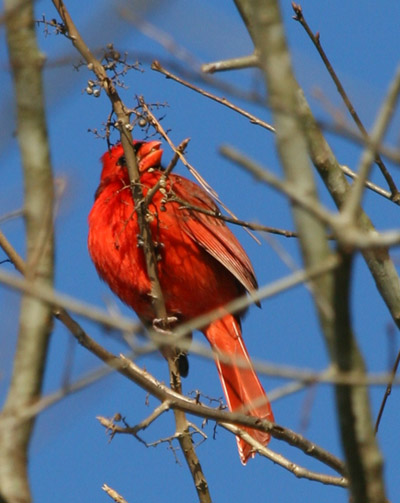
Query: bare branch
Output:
(113,494)
(387,391)
(263,20)
(378,261)
(35,325)
(156,293)
(130,370)
(299,16)
(124,126)
(250,61)
(60,302)
(191,168)
(222,101)
(294,468)
(133,430)
(286,187)
(372,186)
(351,206)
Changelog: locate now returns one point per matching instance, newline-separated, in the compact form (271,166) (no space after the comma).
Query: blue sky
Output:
(70,454)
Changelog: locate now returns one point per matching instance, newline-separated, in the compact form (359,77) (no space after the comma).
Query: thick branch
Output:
(378,261)
(356,425)
(264,22)
(35,316)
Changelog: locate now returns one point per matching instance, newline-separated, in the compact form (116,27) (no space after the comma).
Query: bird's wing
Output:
(211,233)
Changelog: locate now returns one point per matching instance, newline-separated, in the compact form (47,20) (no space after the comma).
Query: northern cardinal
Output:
(201,266)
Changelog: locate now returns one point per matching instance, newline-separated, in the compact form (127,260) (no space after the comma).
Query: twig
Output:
(160,36)
(156,124)
(299,16)
(387,392)
(51,399)
(60,301)
(11,215)
(372,186)
(234,220)
(183,433)
(391,153)
(223,101)
(110,425)
(113,494)
(130,370)
(351,206)
(191,168)
(150,194)
(346,231)
(250,61)
(297,470)
(285,187)
(124,126)
(244,302)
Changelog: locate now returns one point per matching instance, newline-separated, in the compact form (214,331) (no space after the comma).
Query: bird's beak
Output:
(149,155)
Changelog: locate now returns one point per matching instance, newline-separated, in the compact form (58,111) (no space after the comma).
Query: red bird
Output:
(201,266)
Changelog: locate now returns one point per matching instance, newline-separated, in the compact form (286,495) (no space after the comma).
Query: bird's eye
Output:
(137,146)
(121,161)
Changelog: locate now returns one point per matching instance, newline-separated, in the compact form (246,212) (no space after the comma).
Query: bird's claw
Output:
(160,324)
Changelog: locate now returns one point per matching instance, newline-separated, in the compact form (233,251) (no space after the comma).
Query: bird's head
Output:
(148,155)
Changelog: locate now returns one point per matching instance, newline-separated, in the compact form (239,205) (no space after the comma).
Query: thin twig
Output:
(387,391)
(150,194)
(153,120)
(46,401)
(11,215)
(372,186)
(250,61)
(113,494)
(391,153)
(49,296)
(294,468)
(283,186)
(223,101)
(352,204)
(345,230)
(219,216)
(299,16)
(110,424)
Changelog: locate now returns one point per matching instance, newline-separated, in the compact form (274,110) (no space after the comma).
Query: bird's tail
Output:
(242,388)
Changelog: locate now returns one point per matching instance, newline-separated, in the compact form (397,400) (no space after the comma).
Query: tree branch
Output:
(35,316)
(222,101)
(299,16)
(264,23)
(156,294)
